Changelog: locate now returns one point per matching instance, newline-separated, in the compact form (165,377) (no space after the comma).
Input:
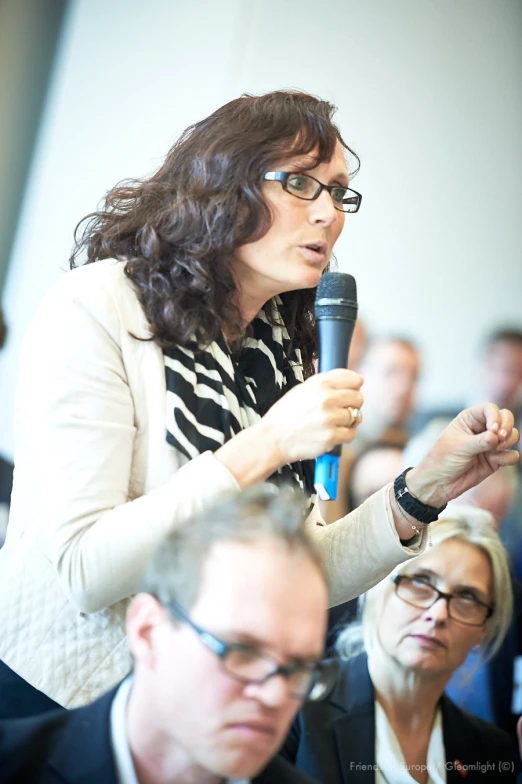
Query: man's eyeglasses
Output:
(304,186)
(245,663)
(463,607)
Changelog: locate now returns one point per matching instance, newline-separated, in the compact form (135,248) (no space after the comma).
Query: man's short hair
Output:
(504,335)
(264,511)
(3,329)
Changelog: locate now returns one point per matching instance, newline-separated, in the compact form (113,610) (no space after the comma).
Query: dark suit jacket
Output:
(334,740)
(501,680)
(74,747)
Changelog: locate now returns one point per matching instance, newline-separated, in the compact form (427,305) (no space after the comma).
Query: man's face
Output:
(260,594)
(390,371)
(503,373)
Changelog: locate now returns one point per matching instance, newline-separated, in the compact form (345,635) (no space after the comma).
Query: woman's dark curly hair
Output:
(177,230)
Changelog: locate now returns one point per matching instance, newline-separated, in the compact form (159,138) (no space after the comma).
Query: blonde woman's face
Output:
(429,639)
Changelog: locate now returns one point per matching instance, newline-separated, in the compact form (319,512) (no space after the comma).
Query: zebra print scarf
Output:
(213,394)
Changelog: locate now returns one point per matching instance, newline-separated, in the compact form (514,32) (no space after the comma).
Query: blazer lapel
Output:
(355,732)
(84,752)
(460,745)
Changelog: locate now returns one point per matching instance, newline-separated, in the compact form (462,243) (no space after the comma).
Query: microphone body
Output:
(335,315)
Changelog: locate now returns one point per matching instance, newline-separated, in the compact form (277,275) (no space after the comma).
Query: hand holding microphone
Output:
(315,417)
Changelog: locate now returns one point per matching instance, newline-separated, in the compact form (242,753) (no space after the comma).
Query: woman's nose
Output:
(322,209)
(439,611)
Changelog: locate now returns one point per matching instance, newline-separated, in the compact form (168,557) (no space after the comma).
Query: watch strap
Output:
(421,512)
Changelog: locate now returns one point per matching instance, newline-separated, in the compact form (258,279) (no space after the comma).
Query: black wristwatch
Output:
(421,512)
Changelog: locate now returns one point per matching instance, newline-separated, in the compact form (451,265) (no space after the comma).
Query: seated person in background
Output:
(376,464)
(358,344)
(499,378)
(390,368)
(502,380)
(226,638)
(388,719)
(502,370)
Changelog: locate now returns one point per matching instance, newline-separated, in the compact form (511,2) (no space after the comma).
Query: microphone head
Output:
(336,297)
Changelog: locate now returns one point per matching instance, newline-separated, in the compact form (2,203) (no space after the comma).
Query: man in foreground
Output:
(226,638)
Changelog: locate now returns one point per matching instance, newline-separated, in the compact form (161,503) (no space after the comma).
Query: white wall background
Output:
(429,94)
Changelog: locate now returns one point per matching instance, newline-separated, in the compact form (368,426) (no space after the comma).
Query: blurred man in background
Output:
(390,368)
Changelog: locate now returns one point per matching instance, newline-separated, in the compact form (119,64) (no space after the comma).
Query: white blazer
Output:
(96,487)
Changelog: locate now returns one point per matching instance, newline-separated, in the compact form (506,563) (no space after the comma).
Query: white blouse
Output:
(391,767)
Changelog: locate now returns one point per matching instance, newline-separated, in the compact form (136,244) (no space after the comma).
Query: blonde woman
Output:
(388,720)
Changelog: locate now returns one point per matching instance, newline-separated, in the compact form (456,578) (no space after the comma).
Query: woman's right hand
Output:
(306,422)
(314,417)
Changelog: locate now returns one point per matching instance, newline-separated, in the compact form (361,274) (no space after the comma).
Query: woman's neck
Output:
(408,697)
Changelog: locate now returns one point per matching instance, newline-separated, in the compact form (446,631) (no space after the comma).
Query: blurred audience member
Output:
(357,345)
(502,369)
(502,381)
(6,467)
(499,379)
(390,368)
(375,465)
(226,636)
(387,718)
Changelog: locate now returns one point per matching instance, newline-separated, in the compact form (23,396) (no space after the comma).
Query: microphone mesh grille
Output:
(336,285)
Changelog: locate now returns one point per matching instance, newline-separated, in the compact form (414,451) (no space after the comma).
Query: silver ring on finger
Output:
(356,416)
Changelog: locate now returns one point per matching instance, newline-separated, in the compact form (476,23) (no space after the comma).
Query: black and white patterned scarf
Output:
(213,394)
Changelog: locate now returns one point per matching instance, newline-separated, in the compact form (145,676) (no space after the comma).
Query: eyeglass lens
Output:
(249,665)
(305,187)
(424,595)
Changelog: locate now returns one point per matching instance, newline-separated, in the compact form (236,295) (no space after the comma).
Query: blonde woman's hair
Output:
(467,524)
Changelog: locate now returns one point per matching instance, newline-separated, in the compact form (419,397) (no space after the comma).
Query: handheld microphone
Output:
(335,315)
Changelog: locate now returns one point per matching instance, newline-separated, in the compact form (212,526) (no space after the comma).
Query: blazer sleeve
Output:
(75,442)
(362,548)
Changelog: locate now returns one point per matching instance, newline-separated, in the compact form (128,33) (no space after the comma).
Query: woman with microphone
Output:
(175,363)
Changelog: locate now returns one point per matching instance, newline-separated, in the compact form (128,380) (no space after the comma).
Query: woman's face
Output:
(283,260)
(429,640)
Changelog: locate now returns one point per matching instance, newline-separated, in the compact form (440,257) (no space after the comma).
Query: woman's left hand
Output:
(473,446)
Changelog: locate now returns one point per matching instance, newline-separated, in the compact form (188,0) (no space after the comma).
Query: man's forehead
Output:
(234,563)
(265,589)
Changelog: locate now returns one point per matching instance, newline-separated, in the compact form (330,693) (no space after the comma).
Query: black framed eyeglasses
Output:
(246,663)
(419,592)
(304,186)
